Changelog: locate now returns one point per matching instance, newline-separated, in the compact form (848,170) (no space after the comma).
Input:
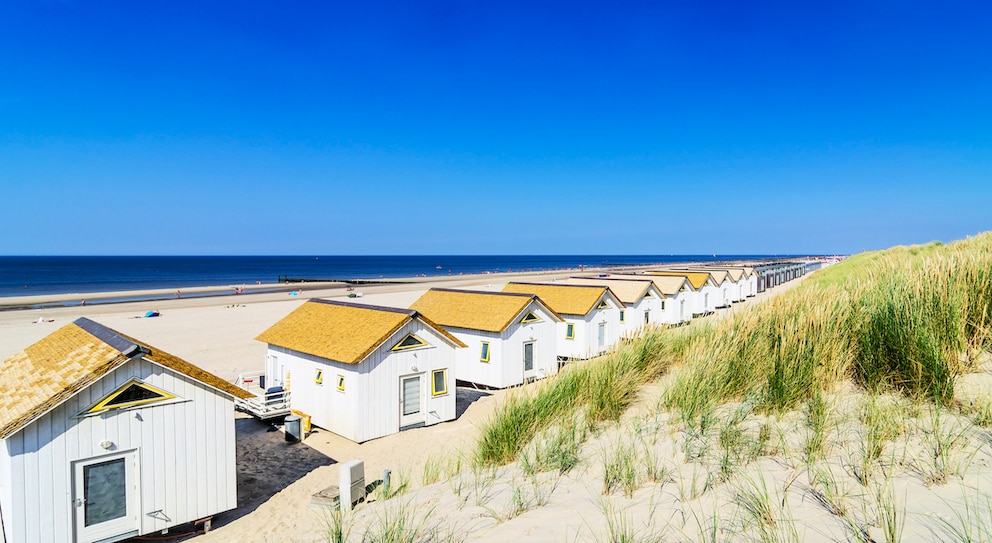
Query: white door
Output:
(602,335)
(274,372)
(106,497)
(411,400)
(529,372)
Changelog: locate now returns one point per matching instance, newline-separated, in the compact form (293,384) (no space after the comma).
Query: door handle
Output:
(80,501)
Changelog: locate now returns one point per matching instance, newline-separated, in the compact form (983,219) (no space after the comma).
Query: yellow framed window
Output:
(622,315)
(439,382)
(569,331)
(131,394)
(319,377)
(603,305)
(529,318)
(341,383)
(484,355)
(409,341)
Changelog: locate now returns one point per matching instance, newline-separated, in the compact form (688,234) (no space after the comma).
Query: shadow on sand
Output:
(466,396)
(267,463)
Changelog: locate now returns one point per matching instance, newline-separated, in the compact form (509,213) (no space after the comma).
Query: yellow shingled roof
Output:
(696,279)
(719,275)
(630,291)
(563,299)
(340,331)
(47,373)
(475,310)
(669,285)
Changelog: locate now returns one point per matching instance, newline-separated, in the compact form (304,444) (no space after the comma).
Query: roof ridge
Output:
(494,293)
(111,337)
(555,284)
(408,312)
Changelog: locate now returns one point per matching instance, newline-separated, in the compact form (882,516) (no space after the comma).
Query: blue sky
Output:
(492,128)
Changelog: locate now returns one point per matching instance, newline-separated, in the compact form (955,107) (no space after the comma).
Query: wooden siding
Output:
(506,362)
(185,449)
(369,406)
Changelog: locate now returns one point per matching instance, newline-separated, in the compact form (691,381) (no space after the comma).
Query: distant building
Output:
(644,304)
(591,316)
(511,337)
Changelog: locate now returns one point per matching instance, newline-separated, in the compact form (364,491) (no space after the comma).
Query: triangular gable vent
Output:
(603,305)
(130,394)
(530,317)
(410,341)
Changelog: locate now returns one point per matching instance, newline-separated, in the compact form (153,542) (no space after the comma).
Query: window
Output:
(409,342)
(341,383)
(569,331)
(439,382)
(647,317)
(130,394)
(529,318)
(484,356)
(622,315)
(649,294)
(603,305)
(663,305)
(319,377)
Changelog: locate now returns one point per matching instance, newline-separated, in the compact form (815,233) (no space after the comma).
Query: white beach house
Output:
(726,289)
(591,316)
(363,371)
(106,438)
(679,296)
(510,336)
(702,283)
(644,304)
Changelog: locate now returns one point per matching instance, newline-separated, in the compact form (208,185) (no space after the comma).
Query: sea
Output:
(46,275)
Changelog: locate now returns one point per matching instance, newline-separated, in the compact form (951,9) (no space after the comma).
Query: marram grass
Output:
(909,320)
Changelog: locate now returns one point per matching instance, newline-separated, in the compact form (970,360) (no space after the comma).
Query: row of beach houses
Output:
(107,438)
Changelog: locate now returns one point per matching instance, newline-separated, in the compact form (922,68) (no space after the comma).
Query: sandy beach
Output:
(276,479)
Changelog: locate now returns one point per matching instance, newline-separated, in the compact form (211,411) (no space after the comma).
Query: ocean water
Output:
(33,275)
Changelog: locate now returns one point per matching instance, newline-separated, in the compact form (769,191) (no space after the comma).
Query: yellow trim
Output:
(603,305)
(622,315)
(319,377)
(341,383)
(435,392)
(649,294)
(486,351)
(529,318)
(569,330)
(400,347)
(102,404)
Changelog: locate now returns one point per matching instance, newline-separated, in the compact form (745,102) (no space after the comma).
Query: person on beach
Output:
(179,294)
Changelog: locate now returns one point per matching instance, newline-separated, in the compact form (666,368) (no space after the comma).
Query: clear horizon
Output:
(492,129)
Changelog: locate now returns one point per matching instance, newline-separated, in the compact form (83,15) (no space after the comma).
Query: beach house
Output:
(591,316)
(727,289)
(363,371)
(510,336)
(705,302)
(107,438)
(644,304)
(678,296)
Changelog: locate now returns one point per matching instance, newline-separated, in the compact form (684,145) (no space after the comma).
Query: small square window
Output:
(439,382)
(484,356)
(319,377)
(341,383)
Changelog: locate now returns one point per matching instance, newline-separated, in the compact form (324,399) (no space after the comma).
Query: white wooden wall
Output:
(369,407)
(186,455)
(506,351)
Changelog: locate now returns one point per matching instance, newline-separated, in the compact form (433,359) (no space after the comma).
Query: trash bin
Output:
(293,426)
